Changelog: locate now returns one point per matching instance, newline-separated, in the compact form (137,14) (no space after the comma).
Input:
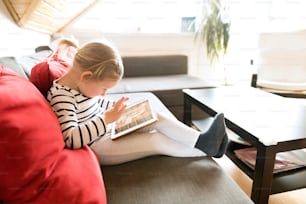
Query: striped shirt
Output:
(80,117)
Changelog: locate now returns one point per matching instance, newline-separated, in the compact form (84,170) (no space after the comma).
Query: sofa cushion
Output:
(27,62)
(35,167)
(159,83)
(171,180)
(167,88)
(44,73)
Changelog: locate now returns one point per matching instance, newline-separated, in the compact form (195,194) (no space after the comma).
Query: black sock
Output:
(223,147)
(212,142)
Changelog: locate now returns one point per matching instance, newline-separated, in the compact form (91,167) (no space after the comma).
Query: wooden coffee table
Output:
(268,122)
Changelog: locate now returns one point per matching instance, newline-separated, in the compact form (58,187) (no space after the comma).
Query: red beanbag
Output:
(34,166)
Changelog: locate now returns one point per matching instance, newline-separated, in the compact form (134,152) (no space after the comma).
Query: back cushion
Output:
(34,166)
(138,66)
(12,63)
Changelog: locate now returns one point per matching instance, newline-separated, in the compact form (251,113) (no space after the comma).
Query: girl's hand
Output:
(116,111)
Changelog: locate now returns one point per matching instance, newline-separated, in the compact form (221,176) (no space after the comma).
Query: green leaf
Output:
(213,32)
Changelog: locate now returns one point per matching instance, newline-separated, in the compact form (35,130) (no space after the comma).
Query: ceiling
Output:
(46,16)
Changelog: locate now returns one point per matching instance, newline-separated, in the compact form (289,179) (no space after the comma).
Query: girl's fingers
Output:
(120,104)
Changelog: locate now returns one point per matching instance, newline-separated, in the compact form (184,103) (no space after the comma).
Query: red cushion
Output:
(44,73)
(34,166)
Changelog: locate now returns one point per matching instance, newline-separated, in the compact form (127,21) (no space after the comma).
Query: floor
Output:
(291,197)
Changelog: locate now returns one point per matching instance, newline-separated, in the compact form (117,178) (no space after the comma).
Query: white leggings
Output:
(167,136)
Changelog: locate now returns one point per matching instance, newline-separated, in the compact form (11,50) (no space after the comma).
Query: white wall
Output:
(254,25)
(16,41)
(282,57)
(258,33)
(266,50)
(236,62)
(152,44)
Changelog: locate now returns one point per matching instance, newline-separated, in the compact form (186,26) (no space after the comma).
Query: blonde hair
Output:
(65,50)
(102,59)
(67,42)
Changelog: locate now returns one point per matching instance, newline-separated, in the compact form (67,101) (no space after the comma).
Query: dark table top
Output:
(268,117)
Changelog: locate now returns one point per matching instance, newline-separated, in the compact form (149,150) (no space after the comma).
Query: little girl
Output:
(85,115)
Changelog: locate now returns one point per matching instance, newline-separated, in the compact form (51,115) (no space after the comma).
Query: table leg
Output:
(187,110)
(263,174)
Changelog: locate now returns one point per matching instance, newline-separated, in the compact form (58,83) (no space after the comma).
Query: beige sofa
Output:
(159,179)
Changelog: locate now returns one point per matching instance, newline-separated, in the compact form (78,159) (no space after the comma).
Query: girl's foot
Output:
(214,141)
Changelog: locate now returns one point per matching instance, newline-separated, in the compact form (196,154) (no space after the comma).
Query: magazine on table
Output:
(284,161)
(135,116)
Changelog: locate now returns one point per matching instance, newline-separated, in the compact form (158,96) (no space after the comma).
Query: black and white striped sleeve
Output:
(106,104)
(76,134)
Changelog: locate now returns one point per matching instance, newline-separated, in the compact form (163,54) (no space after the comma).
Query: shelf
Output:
(282,182)
(230,154)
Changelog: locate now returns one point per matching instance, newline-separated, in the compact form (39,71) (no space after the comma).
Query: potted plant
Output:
(214,31)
